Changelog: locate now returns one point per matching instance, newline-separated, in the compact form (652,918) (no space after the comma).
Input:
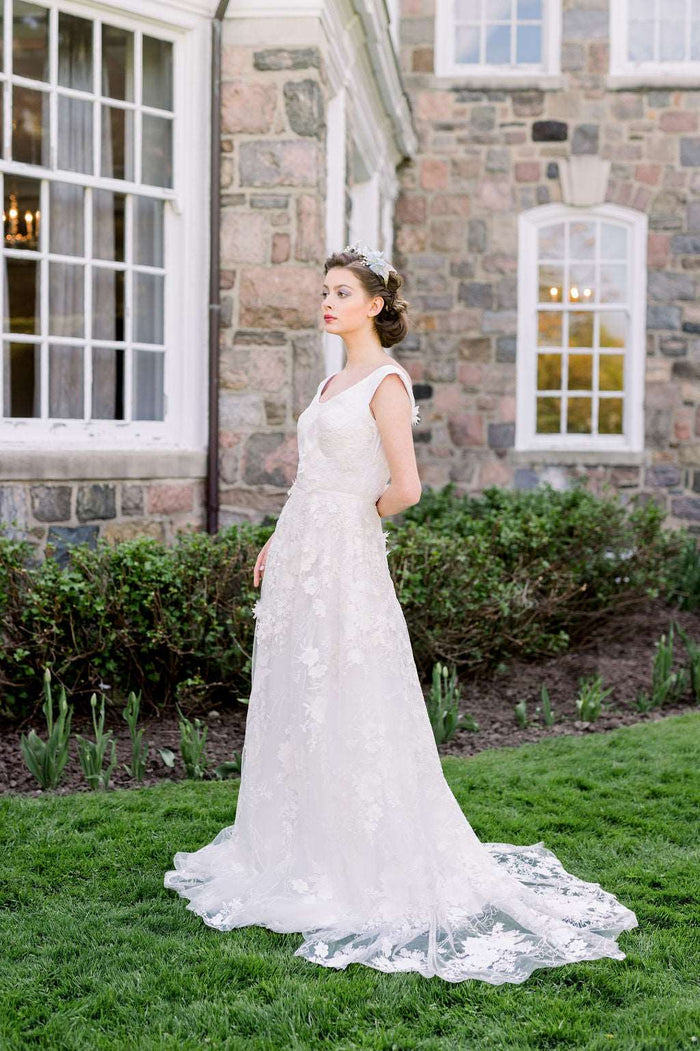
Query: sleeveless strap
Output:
(376,377)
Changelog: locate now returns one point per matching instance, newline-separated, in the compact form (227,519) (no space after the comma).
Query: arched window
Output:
(581,321)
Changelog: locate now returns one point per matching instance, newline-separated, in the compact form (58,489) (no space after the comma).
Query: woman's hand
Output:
(259,567)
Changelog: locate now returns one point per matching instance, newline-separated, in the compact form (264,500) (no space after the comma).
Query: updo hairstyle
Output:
(391,322)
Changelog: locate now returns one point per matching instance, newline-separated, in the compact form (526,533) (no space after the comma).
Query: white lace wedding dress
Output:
(346,829)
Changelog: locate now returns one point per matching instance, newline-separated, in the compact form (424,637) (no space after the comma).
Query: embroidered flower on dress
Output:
(256,608)
(415,418)
(321,949)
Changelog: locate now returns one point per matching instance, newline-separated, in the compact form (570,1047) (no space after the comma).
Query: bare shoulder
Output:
(403,372)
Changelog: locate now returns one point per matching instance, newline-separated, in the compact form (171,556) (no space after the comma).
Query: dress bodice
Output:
(340,446)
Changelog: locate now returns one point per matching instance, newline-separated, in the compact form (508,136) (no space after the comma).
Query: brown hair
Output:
(391,322)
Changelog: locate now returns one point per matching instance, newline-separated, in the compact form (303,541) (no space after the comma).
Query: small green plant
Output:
(139,751)
(683,575)
(667,686)
(521,713)
(443,704)
(46,759)
(92,753)
(168,757)
(232,768)
(590,698)
(192,746)
(548,717)
(693,651)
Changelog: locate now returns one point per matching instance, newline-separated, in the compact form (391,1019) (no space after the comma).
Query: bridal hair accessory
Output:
(372,258)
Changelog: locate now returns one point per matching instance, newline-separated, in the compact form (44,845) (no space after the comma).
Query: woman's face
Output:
(345,304)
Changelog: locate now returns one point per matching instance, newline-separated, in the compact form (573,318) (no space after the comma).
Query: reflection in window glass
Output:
(611,372)
(21,380)
(30,125)
(67,227)
(117,63)
(148,308)
(108,225)
(147,390)
(22,212)
(74,52)
(580,371)
(578,416)
(30,40)
(148,231)
(499,33)
(581,329)
(66,381)
(107,304)
(117,143)
(75,135)
(66,300)
(549,329)
(157,73)
(610,416)
(548,371)
(22,298)
(548,415)
(157,151)
(107,383)
(668,32)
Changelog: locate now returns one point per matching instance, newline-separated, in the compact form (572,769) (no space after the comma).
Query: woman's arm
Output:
(392,409)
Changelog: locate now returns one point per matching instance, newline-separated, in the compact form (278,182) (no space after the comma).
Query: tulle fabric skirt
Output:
(346,830)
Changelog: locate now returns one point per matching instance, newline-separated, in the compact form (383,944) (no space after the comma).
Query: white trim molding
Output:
(512,72)
(655,35)
(608,244)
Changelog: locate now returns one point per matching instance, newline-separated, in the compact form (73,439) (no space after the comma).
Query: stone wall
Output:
(486,155)
(69,512)
(272,250)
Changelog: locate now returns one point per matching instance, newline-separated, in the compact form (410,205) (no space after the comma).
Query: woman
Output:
(346,829)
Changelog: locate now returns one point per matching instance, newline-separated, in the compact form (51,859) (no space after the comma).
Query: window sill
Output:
(36,465)
(655,81)
(589,457)
(493,80)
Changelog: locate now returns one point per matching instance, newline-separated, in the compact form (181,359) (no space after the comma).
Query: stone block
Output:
(506,348)
(169,499)
(303,104)
(527,171)
(673,346)
(50,503)
(475,348)
(627,105)
(585,139)
(132,499)
(291,162)
(247,107)
(528,103)
(663,317)
(658,246)
(434,174)
(243,237)
(648,173)
(664,475)
(690,152)
(96,501)
(483,118)
(270,201)
(269,458)
(573,57)
(278,58)
(411,209)
(118,532)
(447,235)
(525,478)
(687,507)
(63,538)
(496,194)
(475,294)
(678,121)
(422,60)
(280,248)
(581,24)
(501,435)
(499,321)
(665,286)
(280,298)
(476,235)
(309,240)
(466,429)
(550,131)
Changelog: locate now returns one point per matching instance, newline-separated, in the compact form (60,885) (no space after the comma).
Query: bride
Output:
(346,830)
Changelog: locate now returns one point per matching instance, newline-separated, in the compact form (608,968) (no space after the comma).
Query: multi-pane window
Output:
(581,337)
(649,35)
(487,36)
(87,164)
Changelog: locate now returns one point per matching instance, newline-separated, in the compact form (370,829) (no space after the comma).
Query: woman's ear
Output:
(375,306)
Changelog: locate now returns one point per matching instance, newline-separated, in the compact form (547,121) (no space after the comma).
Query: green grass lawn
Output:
(96,953)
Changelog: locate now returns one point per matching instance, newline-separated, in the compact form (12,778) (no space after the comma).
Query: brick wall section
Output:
(485,156)
(272,250)
(67,513)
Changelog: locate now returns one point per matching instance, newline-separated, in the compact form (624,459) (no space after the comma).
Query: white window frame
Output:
(632,437)
(186,245)
(445,65)
(654,72)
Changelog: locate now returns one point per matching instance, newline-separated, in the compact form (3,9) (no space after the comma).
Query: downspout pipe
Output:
(212,484)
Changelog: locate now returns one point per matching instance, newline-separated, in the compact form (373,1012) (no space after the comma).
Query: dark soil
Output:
(621,651)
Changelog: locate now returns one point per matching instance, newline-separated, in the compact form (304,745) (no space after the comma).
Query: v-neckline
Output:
(323,386)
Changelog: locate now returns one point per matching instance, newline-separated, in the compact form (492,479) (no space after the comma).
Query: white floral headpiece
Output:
(372,258)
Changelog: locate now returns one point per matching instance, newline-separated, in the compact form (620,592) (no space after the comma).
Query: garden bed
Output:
(621,651)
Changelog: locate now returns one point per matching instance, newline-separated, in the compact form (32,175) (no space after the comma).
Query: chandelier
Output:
(24,231)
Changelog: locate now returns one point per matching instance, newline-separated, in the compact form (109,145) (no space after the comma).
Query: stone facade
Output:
(272,248)
(487,154)
(71,512)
